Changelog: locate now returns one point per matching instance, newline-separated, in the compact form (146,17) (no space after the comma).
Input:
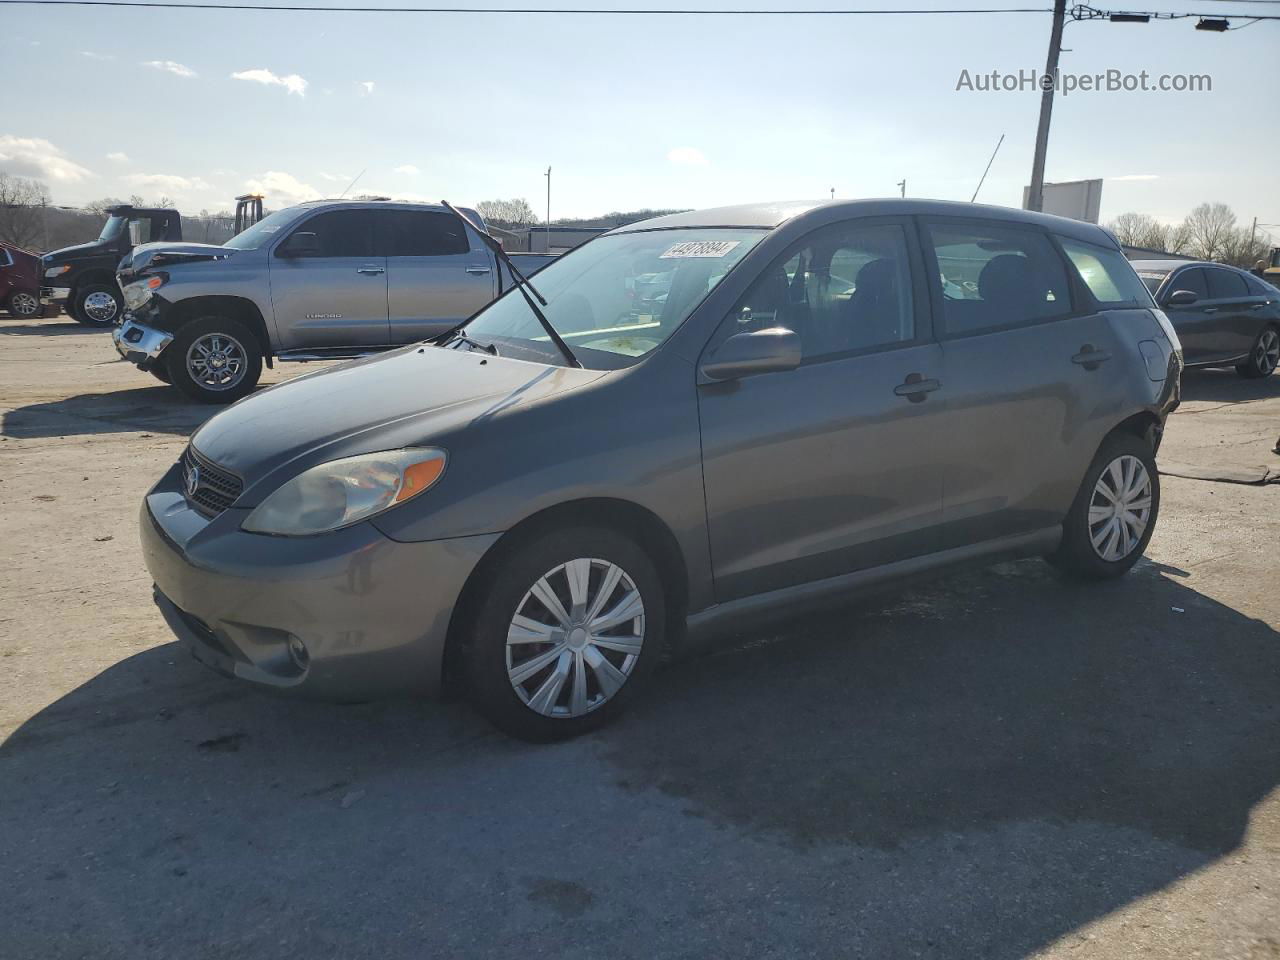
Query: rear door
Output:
(438,272)
(830,467)
(1019,394)
(337,298)
(1235,317)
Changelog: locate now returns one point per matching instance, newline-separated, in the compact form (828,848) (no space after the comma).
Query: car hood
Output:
(405,398)
(94,248)
(161,254)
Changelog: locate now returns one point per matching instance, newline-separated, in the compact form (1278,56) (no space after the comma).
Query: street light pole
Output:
(902,186)
(1035,195)
(548,234)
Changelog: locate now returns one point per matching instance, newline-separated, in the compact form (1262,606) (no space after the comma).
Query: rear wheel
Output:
(97,305)
(568,629)
(1114,513)
(1264,358)
(214,360)
(23,304)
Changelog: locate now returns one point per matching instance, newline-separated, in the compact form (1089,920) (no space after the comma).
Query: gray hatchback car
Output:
(820,397)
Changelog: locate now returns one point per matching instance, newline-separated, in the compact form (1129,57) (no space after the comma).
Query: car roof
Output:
(773,214)
(1170,265)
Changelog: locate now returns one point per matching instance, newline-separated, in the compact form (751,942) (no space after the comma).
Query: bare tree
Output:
(510,213)
(99,207)
(22,205)
(1140,230)
(1243,248)
(1209,227)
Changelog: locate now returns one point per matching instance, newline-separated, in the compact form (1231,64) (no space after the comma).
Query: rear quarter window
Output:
(1107,274)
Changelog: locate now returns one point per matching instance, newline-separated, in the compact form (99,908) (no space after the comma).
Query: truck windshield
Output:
(262,231)
(112,228)
(615,299)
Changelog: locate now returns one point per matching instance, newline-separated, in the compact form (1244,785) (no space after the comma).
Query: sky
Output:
(629,112)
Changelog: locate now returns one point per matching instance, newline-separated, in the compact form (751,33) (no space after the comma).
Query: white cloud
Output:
(368,86)
(335,177)
(171,66)
(118,157)
(407,168)
(33,157)
(167,182)
(282,189)
(1135,176)
(293,83)
(687,157)
(96,56)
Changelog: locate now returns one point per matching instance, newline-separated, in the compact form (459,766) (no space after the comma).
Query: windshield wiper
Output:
(457,334)
(522,284)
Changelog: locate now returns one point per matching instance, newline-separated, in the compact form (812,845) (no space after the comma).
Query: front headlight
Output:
(56,271)
(343,492)
(139,292)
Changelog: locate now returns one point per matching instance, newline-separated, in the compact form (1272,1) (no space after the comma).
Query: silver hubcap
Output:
(1120,509)
(24,305)
(100,307)
(1266,355)
(216,361)
(575,638)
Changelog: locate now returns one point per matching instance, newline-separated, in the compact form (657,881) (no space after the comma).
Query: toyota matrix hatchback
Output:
(822,397)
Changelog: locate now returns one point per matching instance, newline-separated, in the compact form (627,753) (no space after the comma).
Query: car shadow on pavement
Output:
(1226,386)
(159,409)
(51,327)
(976,767)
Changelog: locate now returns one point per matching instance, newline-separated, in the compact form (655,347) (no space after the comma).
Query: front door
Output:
(438,272)
(830,467)
(336,297)
(1195,323)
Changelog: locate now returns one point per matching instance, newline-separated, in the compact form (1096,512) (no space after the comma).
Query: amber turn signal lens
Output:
(154,282)
(419,477)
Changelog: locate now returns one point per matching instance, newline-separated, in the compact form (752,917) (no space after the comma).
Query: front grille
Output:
(207,485)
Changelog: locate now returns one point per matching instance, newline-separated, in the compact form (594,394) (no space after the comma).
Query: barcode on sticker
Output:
(699,248)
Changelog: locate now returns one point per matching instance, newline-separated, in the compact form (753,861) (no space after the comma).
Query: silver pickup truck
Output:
(322,280)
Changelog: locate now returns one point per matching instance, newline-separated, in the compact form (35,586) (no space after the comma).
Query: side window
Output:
(421,233)
(846,287)
(140,231)
(341,233)
(5,259)
(1259,287)
(1192,280)
(1106,273)
(1226,284)
(997,276)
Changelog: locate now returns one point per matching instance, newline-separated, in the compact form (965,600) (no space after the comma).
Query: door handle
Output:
(915,387)
(477,270)
(1089,358)
(1257,306)
(1210,309)
(371,271)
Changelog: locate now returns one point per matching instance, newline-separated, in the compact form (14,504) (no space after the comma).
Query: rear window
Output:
(421,233)
(1106,273)
(1226,284)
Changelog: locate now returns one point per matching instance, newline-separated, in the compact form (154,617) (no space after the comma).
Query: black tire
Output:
(23,304)
(484,652)
(1076,555)
(1263,356)
(205,329)
(88,305)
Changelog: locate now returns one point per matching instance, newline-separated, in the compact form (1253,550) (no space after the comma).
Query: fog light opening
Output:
(298,653)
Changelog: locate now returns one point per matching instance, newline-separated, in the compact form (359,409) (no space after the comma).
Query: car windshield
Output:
(262,231)
(1152,278)
(111,229)
(615,299)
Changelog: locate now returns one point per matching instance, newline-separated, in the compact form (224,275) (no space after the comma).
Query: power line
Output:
(560,11)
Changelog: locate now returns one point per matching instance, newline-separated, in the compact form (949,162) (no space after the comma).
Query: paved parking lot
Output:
(998,764)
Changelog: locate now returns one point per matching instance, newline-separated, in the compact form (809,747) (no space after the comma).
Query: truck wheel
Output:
(23,304)
(97,305)
(214,360)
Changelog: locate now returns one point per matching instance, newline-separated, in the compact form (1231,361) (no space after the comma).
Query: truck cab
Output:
(82,277)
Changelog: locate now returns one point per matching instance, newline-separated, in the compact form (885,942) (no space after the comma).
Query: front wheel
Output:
(214,360)
(23,304)
(1114,513)
(1263,358)
(97,305)
(570,626)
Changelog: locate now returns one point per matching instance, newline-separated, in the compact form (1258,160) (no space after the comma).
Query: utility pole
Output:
(902,186)
(548,176)
(1035,195)
(833,193)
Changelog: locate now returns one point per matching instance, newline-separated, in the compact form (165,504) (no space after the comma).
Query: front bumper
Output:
(364,615)
(54,296)
(138,343)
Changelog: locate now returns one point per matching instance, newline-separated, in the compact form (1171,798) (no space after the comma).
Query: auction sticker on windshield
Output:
(699,249)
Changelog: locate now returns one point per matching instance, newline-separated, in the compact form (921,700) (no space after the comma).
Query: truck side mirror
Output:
(1181,298)
(759,351)
(300,244)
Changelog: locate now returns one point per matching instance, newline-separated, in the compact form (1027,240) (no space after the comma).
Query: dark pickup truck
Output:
(83,277)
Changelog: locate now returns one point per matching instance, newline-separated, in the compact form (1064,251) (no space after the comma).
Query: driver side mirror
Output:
(301,244)
(1181,298)
(760,351)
